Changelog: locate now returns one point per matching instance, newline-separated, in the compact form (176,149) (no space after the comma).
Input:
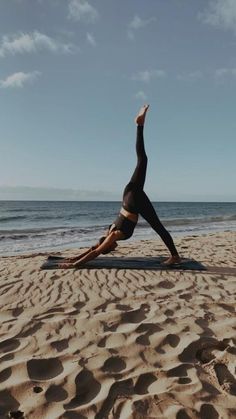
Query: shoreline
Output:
(133,241)
(48,226)
(120,342)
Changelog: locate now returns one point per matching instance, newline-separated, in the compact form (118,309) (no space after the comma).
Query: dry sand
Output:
(123,344)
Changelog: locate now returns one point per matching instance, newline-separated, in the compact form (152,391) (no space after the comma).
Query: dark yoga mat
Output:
(146,263)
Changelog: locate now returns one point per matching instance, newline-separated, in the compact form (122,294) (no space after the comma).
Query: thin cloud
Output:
(193,76)
(221,73)
(91,40)
(18,80)
(138,23)
(30,43)
(221,14)
(147,75)
(82,10)
(140,95)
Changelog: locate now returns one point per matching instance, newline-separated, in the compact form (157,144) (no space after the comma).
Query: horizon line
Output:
(95,200)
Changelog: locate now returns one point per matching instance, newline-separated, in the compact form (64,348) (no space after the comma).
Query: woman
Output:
(135,202)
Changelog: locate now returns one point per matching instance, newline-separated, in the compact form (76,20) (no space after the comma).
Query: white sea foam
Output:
(33,226)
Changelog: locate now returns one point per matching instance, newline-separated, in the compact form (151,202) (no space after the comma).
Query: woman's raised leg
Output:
(139,175)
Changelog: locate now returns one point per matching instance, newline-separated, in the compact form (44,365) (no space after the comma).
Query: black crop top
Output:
(125,225)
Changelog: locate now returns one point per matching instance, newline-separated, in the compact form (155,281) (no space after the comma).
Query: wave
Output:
(46,232)
(62,229)
(47,217)
(27,209)
(59,217)
(199,220)
(12,218)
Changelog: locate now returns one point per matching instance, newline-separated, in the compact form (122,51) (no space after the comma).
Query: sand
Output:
(112,343)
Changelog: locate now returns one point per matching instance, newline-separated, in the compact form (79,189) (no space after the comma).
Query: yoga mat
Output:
(146,263)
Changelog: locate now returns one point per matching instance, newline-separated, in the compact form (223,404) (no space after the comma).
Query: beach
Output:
(120,343)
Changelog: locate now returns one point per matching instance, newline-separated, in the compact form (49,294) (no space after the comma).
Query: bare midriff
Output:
(130,215)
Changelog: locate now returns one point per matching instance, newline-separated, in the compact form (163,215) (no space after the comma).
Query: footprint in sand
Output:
(141,408)
(205,354)
(73,415)
(37,389)
(201,350)
(7,403)
(55,393)
(149,329)
(7,357)
(179,371)
(181,414)
(120,388)
(143,382)
(166,284)
(16,415)
(135,316)
(44,369)
(225,378)
(5,374)
(9,345)
(171,339)
(184,380)
(208,411)
(114,364)
(60,345)
(87,389)
(17,311)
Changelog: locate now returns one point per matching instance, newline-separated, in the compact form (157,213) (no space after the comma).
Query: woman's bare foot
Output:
(140,118)
(172,260)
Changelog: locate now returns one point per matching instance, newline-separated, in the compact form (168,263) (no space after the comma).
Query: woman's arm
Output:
(103,247)
(75,258)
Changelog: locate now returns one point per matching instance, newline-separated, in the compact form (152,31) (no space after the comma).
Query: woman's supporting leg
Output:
(147,211)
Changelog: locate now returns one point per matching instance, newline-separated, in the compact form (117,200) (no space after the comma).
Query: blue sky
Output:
(73,74)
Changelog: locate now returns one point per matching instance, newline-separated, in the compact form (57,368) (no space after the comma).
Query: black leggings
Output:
(135,200)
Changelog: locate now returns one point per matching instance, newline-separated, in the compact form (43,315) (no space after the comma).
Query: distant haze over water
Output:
(31,226)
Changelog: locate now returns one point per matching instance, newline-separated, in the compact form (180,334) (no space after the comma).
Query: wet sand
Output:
(120,343)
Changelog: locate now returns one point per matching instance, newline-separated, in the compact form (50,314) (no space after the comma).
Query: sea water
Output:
(30,226)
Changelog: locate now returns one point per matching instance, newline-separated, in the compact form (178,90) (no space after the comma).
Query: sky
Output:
(73,75)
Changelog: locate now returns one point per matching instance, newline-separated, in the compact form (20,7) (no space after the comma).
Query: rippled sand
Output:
(112,343)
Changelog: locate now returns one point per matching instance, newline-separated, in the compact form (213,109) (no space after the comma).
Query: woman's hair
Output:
(101,240)
(114,245)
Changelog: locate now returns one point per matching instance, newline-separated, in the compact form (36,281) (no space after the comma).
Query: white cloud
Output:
(220,13)
(82,10)
(91,39)
(140,95)
(146,75)
(31,42)
(19,79)
(225,72)
(138,23)
(193,76)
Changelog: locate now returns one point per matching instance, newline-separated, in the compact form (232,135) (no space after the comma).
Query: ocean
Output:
(31,226)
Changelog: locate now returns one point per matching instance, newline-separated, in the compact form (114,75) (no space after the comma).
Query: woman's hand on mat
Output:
(66,265)
(71,260)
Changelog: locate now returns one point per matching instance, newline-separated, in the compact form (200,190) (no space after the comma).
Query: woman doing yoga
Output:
(135,202)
